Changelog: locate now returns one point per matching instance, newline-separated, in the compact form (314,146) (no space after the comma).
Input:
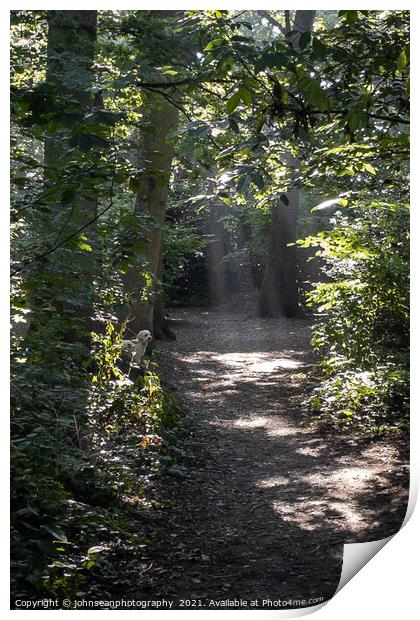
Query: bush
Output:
(363,333)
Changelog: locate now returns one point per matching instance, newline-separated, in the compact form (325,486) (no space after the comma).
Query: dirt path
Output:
(264,509)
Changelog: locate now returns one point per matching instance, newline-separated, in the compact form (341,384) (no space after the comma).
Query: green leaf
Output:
(284,199)
(318,97)
(97,549)
(68,196)
(319,50)
(85,246)
(233,125)
(56,532)
(369,168)
(233,102)
(85,141)
(351,16)
(353,120)
(245,95)
(304,40)
(258,179)
(243,184)
(213,44)
(134,184)
(402,62)
(270,59)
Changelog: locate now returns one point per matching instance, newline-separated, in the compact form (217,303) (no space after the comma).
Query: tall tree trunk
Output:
(64,282)
(159,121)
(278,295)
(218,274)
(279,290)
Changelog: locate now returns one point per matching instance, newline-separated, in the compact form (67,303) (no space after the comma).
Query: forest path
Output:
(264,509)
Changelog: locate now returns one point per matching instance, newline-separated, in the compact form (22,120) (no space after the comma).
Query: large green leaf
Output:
(233,102)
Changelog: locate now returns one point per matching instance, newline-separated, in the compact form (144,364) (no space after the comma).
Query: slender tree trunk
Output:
(159,121)
(279,290)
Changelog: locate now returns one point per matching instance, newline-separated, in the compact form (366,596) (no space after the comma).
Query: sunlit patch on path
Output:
(273,496)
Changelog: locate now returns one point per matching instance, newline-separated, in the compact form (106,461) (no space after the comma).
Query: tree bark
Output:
(65,282)
(159,121)
(279,290)
(278,295)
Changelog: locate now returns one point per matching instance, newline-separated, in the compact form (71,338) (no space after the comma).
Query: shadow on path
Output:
(267,503)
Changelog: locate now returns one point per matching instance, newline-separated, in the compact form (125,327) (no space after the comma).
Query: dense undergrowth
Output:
(87,447)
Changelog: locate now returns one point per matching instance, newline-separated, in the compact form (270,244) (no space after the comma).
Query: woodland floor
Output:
(266,504)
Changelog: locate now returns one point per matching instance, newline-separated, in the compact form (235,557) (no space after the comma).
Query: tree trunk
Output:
(279,289)
(304,21)
(64,283)
(278,295)
(218,274)
(159,121)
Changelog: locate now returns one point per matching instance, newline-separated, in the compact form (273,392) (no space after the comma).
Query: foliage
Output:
(264,109)
(183,247)
(88,438)
(82,455)
(364,333)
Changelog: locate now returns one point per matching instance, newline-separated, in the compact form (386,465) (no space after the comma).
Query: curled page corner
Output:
(356,556)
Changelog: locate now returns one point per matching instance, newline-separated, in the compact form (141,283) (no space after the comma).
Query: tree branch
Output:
(381,117)
(38,257)
(272,20)
(287,20)
(185,82)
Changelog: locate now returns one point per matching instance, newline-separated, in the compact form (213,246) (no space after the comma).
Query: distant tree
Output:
(279,291)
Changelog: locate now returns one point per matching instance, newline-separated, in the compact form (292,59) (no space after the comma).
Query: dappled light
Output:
(209,302)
